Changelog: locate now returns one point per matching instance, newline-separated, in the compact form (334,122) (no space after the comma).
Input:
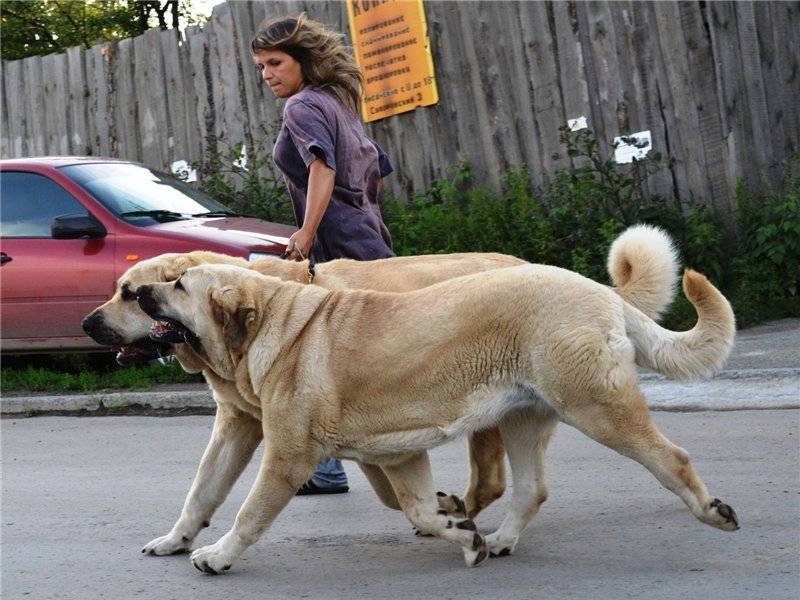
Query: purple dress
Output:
(317,125)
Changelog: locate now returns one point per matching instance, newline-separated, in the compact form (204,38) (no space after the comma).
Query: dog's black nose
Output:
(91,323)
(144,296)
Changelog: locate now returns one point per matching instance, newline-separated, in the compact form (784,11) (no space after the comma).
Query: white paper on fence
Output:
(183,171)
(642,144)
(577,124)
(241,162)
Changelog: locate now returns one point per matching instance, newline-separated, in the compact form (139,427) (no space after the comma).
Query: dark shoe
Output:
(310,487)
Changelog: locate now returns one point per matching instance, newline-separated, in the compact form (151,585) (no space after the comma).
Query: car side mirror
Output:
(70,227)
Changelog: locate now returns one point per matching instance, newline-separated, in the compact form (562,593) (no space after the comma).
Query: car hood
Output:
(230,230)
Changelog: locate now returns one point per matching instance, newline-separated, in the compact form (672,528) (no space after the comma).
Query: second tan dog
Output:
(382,377)
(642,264)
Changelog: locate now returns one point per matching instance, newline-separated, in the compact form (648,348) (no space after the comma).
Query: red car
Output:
(70,226)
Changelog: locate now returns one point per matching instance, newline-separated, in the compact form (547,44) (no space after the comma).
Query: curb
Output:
(745,389)
(180,402)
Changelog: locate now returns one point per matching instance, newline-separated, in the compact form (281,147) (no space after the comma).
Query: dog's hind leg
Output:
(487,475)
(413,484)
(621,420)
(234,438)
(527,434)
(381,485)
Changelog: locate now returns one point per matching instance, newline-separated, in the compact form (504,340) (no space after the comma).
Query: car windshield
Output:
(142,196)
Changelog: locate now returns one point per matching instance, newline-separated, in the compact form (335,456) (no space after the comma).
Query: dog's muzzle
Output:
(95,327)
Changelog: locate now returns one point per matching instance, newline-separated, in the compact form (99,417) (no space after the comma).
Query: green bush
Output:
(765,278)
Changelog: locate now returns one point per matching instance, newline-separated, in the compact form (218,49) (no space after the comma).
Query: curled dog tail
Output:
(694,353)
(643,264)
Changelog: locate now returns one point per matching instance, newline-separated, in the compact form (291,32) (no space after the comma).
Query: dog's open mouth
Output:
(141,352)
(169,331)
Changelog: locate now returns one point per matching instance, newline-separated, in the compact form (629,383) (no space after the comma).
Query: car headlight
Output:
(257,255)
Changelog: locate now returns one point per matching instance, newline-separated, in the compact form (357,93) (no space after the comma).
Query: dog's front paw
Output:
(172,543)
(216,558)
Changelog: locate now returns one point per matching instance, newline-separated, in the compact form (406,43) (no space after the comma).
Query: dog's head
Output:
(121,324)
(212,307)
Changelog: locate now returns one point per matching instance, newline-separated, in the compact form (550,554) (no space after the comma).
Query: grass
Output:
(84,373)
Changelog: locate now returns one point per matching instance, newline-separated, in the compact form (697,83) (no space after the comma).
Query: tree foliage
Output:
(38,27)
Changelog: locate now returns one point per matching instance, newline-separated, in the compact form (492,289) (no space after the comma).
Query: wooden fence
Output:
(717,83)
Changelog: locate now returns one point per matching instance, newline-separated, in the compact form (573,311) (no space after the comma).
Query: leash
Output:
(312,271)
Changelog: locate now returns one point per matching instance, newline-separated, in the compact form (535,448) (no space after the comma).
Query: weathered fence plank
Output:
(153,124)
(33,106)
(701,71)
(537,75)
(79,107)
(602,69)
(196,40)
(101,101)
(178,105)
(734,109)
(683,121)
(16,137)
(223,60)
(785,23)
(125,140)
(250,80)
(574,87)
(754,86)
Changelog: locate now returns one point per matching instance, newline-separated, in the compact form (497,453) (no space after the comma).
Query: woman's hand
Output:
(318,196)
(299,246)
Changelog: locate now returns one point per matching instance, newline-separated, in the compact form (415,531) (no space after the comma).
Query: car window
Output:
(29,202)
(127,188)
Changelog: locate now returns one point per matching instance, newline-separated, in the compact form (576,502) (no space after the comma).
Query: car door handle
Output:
(4,258)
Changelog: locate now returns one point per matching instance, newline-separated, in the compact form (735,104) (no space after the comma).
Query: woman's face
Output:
(282,73)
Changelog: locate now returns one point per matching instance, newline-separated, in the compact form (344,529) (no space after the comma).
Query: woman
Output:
(332,169)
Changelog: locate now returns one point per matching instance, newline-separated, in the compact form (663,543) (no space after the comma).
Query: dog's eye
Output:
(179,285)
(128,295)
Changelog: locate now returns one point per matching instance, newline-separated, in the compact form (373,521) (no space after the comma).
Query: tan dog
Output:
(382,377)
(120,322)
(641,262)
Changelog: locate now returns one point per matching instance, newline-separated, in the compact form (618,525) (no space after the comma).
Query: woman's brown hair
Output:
(324,59)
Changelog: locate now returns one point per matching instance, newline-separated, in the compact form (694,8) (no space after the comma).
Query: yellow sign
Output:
(390,38)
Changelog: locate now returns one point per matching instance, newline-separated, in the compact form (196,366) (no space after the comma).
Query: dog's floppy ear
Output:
(178,265)
(234,310)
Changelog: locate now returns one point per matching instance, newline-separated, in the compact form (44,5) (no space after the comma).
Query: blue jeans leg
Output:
(330,473)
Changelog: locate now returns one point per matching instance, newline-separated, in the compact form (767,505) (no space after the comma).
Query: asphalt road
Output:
(80,496)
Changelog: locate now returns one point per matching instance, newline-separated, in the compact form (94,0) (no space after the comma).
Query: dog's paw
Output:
(721,515)
(452,504)
(477,553)
(499,545)
(172,543)
(216,558)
